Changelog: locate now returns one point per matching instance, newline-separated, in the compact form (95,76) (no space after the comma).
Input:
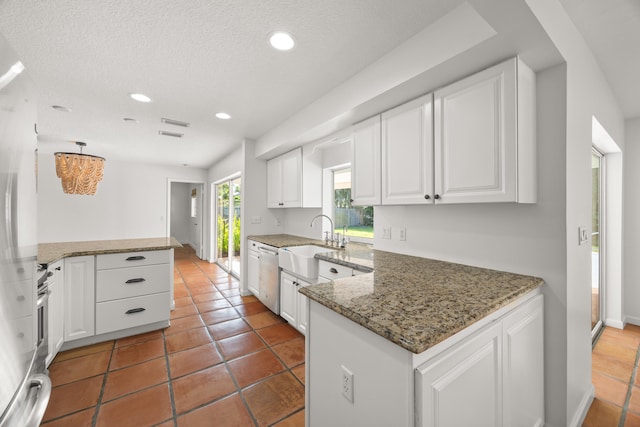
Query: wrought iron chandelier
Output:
(80,173)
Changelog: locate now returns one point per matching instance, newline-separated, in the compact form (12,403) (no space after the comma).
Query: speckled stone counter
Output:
(416,302)
(52,252)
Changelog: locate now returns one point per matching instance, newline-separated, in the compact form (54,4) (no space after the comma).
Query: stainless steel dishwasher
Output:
(269,278)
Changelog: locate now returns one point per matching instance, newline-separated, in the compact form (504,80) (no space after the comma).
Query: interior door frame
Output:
(203,199)
(602,220)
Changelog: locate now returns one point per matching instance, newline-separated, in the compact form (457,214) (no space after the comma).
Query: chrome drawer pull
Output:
(135,310)
(138,280)
(333,270)
(136,258)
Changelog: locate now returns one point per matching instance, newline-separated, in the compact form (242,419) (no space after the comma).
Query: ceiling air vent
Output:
(174,134)
(175,122)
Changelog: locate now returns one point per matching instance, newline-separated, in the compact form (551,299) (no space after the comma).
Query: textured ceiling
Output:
(197,57)
(193,58)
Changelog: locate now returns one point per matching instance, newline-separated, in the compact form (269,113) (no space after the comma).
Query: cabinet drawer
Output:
(132,259)
(131,312)
(333,271)
(120,283)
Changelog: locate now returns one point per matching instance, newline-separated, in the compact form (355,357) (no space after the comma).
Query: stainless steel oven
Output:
(42,309)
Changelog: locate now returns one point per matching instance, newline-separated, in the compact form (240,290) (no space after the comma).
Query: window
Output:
(358,220)
(194,204)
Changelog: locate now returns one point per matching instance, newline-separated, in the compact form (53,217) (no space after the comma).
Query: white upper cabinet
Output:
(284,180)
(365,163)
(294,179)
(407,153)
(485,137)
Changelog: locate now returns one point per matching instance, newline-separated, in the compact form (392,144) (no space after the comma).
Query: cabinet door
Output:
(56,311)
(407,153)
(463,386)
(288,298)
(523,355)
(476,138)
(274,183)
(292,178)
(79,301)
(302,314)
(253,272)
(365,163)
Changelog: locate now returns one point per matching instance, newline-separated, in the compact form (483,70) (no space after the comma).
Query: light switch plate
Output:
(386,232)
(583,235)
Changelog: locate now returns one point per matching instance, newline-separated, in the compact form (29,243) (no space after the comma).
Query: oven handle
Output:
(43,295)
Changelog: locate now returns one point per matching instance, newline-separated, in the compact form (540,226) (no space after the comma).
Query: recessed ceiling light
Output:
(281,40)
(130,120)
(140,97)
(223,116)
(61,108)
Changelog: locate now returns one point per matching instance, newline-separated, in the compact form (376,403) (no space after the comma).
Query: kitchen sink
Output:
(300,259)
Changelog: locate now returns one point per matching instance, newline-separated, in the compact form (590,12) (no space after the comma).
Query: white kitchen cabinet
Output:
(470,373)
(284,180)
(523,361)
(132,289)
(407,153)
(56,310)
(365,163)
(494,369)
(294,179)
(79,297)
(293,305)
(253,268)
(485,137)
(288,301)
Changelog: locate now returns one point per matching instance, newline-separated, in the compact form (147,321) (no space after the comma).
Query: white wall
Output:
(588,95)
(180,211)
(632,222)
(131,202)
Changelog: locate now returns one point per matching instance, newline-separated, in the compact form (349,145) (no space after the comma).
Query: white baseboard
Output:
(615,323)
(633,320)
(583,407)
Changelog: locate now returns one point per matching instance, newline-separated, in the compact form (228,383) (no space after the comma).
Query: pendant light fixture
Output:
(80,173)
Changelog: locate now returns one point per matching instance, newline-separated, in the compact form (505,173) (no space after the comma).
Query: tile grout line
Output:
(634,373)
(224,359)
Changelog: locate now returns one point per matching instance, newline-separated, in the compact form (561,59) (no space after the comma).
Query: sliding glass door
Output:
(597,252)
(228,197)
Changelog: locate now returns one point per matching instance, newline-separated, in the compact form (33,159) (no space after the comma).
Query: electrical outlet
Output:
(386,232)
(346,384)
(402,233)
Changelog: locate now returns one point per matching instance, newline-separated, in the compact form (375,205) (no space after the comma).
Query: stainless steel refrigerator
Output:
(24,388)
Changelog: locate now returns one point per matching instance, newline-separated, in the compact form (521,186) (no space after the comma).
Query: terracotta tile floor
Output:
(226,360)
(616,379)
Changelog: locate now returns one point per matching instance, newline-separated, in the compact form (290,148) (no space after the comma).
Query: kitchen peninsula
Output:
(107,289)
(421,342)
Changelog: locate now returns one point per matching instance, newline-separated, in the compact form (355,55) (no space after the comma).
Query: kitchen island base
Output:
(492,371)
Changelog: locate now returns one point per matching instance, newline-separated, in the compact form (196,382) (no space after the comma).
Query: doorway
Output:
(227,224)
(597,242)
(185,213)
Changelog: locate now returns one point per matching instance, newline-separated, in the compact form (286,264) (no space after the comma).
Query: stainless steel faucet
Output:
(326,239)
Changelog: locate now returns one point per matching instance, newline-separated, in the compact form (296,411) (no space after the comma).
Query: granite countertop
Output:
(413,302)
(52,252)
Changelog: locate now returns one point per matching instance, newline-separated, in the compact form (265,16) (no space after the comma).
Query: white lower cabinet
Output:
(253,268)
(79,297)
(56,310)
(490,374)
(132,289)
(469,374)
(293,305)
